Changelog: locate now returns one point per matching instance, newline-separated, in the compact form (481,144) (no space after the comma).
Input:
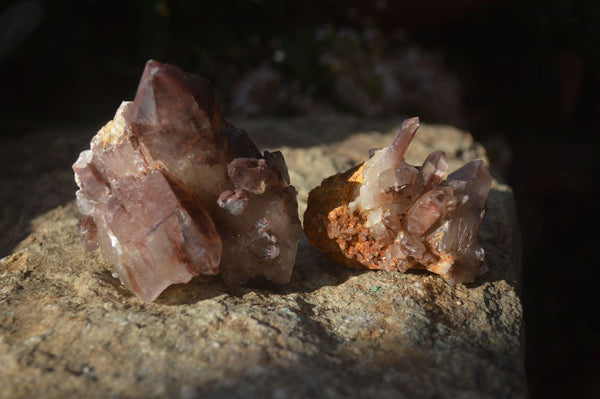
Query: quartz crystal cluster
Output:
(386,214)
(169,190)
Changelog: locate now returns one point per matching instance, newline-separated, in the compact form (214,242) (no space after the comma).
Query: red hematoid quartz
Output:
(389,215)
(170,190)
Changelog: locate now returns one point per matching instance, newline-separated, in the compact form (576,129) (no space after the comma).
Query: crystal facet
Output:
(169,190)
(386,214)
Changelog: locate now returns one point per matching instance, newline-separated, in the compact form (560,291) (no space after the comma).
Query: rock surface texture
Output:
(169,190)
(70,329)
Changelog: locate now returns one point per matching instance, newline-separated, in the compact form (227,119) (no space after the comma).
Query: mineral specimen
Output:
(169,190)
(386,214)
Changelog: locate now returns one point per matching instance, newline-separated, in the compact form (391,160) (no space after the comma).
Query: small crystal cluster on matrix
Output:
(386,214)
(170,190)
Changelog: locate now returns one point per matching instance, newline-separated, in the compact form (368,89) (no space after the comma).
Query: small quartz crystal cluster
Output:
(169,190)
(386,214)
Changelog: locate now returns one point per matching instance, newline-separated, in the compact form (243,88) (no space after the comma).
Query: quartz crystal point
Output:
(386,214)
(169,190)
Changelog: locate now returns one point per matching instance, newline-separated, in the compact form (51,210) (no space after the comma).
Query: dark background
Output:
(522,76)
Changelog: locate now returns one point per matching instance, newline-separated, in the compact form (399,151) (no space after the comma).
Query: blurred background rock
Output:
(522,76)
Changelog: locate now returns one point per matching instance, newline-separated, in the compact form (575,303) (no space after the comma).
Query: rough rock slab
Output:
(68,328)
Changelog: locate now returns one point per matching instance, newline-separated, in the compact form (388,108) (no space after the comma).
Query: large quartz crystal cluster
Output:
(169,190)
(386,214)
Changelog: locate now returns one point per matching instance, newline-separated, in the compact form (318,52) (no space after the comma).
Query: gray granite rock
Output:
(68,328)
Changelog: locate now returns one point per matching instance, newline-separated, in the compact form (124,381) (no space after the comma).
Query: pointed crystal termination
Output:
(169,190)
(386,214)
(142,217)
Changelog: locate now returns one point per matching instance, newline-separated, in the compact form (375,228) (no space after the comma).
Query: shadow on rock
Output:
(200,288)
(36,176)
(312,271)
(499,232)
